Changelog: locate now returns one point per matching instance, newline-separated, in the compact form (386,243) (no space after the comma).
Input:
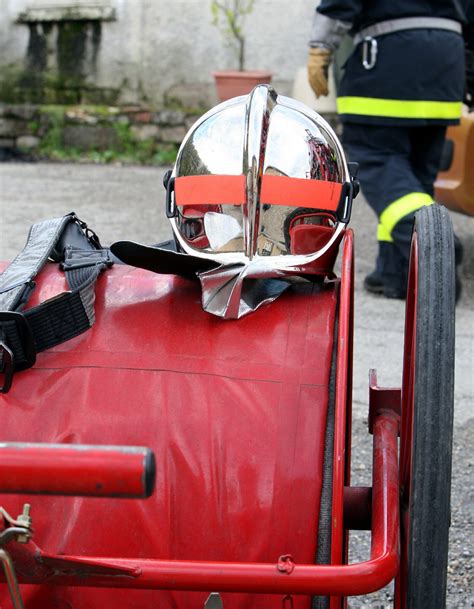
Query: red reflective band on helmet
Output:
(275,190)
(210,190)
(300,192)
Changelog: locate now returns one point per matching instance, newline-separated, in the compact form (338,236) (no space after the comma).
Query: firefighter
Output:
(402,86)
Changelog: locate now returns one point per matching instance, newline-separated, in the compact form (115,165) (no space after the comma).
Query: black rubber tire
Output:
(323,549)
(427,500)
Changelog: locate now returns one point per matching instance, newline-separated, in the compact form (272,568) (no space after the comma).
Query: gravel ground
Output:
(461,555)
(127,203)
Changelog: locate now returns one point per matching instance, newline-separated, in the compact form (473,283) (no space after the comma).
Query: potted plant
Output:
(229,16)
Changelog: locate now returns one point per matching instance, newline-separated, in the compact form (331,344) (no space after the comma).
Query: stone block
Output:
(169,118)
(11,127)
(55,14)
(80,116)
(90,137)
(25,112)
(7,142)
(27,142)
(142,117)
(144,132)
(130,109)
(173,135)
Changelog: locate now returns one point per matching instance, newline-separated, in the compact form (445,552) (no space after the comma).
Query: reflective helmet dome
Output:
(261,180)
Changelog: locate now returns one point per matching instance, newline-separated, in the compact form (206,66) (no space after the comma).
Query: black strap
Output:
(161,259)
(70,242)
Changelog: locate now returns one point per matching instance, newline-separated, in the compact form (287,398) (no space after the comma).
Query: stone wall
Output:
(130,133)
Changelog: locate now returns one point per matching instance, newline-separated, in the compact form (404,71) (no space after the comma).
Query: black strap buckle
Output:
(91,235)
(349,191)
(17,347)
(7,361)
(171,209)
(79,259)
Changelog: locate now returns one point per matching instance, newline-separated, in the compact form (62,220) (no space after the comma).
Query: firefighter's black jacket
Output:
(419,74)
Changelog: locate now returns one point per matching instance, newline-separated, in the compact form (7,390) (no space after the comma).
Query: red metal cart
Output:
(250,426)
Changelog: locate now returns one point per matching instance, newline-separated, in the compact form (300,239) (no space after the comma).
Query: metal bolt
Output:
(286,564)
(24,519)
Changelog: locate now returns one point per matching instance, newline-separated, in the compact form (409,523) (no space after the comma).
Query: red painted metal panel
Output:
(234,411)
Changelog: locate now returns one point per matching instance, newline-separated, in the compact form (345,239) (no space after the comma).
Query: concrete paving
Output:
(128,203)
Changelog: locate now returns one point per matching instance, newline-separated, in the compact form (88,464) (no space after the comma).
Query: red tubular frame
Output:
(343,411)
(284,577)
(75,469)
(343,401)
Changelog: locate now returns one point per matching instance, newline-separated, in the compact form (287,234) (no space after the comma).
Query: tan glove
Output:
(319,59)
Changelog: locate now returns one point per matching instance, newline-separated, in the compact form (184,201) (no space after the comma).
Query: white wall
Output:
(159,48)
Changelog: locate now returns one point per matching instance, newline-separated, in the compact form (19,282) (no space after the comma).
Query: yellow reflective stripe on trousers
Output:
(383,234)
(397,210)
(399,108)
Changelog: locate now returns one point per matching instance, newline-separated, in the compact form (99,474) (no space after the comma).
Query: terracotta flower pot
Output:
(233,83)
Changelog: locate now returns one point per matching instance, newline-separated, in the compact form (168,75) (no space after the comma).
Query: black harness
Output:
(78,251)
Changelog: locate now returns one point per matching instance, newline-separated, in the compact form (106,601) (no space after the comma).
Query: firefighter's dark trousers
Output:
(397,170)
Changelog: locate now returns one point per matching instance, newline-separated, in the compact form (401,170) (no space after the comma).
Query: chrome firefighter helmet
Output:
(261,181)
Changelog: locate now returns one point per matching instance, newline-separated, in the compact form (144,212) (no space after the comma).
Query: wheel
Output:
(427,413)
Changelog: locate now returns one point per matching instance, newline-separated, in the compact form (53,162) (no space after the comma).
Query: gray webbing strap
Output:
(15,281)
(407,23)
(66,240)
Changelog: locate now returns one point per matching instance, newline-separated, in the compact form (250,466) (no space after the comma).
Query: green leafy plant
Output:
(229,17)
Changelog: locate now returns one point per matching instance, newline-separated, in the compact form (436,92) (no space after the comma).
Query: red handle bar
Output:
(76,469)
